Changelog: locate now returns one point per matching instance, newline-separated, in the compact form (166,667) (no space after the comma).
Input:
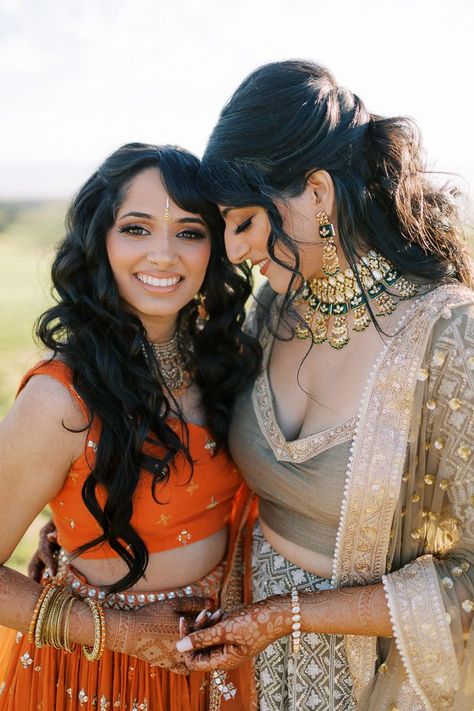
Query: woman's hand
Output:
(44,559)
(239,636)
(151,632)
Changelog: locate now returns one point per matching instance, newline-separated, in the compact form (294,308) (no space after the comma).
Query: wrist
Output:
(81,624)
(279,608)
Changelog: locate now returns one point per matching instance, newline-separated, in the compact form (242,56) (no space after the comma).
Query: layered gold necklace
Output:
(172,368)
(331,298)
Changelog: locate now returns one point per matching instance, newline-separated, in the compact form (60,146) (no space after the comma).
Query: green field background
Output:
(29,232)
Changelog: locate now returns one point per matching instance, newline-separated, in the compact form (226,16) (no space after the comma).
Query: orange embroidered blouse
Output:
(190,508)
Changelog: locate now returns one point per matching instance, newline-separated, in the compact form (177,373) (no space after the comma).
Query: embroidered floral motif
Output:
(184,537)
(26,660)
(192,488)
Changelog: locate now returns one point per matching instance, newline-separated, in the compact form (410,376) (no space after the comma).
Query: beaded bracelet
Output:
(295,622)
(94,654)
(34,619)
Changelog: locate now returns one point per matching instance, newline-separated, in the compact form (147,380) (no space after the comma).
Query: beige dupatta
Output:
(411,509)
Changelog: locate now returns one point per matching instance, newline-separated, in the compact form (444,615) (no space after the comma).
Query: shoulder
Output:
(48,389)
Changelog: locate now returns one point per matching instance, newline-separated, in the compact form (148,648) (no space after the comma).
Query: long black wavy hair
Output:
(288,119)
(103,343)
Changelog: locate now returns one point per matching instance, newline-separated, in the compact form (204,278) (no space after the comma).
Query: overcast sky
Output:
(80,77)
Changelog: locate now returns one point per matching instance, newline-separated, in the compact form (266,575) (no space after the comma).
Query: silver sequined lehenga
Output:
(321,678)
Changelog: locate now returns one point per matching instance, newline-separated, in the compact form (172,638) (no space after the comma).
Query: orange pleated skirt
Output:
(49,680)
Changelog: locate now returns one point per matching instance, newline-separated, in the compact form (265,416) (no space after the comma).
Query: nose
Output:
(162,250)
(236,247)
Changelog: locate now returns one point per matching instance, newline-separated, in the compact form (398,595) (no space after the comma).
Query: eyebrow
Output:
(182,220)
(226,211)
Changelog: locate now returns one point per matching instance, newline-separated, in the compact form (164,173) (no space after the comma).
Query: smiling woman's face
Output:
(158,252)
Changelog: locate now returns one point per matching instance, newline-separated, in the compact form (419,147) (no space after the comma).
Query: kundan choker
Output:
(331,298)
(172,367)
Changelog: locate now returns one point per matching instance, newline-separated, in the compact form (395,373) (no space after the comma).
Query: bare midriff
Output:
(166,570)
(316,563)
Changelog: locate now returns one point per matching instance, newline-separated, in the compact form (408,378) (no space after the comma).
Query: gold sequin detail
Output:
(429,479)
(431,404)
(192,488)
(464,452)
(439,443)
(456,571)
(416,533)
(455,403)
(443,484)
(423,374)
(447,583)
(415,497)
(468,606)
(439,357)
(184,537)
(470,362)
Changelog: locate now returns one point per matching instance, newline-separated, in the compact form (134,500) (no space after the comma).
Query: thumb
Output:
(209,637)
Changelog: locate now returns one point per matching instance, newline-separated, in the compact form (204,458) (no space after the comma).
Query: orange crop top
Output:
(191,509)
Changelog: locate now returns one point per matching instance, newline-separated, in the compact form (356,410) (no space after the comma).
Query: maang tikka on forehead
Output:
(167,213)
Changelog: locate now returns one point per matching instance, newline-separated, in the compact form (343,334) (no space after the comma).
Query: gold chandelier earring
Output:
(326,296)
(202,313)
(327,234)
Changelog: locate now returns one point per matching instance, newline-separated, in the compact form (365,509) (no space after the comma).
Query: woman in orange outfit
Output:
(122,430)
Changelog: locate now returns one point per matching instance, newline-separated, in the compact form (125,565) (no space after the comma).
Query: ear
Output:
(322,188)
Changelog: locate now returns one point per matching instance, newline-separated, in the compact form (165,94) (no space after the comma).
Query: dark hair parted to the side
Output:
(290,118)
(103,344)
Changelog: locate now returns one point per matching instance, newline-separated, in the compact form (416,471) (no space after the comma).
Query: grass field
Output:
(28,233)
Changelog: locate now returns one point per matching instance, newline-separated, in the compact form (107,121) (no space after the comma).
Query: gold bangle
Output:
(39,628)
(53,623)
(295,622)
(94,654)
(66,630)
(34,619)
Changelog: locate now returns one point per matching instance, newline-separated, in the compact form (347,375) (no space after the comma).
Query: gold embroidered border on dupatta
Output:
(376,464)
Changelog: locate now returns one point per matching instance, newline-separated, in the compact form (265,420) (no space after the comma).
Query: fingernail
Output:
(184,645)
(201,616)
(50,573)
(216,614)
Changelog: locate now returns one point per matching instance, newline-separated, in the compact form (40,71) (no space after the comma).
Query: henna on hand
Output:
(239,636)
(45,557)
(244,633)
(151,632)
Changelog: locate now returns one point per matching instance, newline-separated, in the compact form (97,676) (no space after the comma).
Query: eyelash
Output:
(137,231)
(243,226)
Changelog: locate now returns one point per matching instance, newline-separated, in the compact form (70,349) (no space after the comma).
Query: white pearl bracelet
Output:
(295,622)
